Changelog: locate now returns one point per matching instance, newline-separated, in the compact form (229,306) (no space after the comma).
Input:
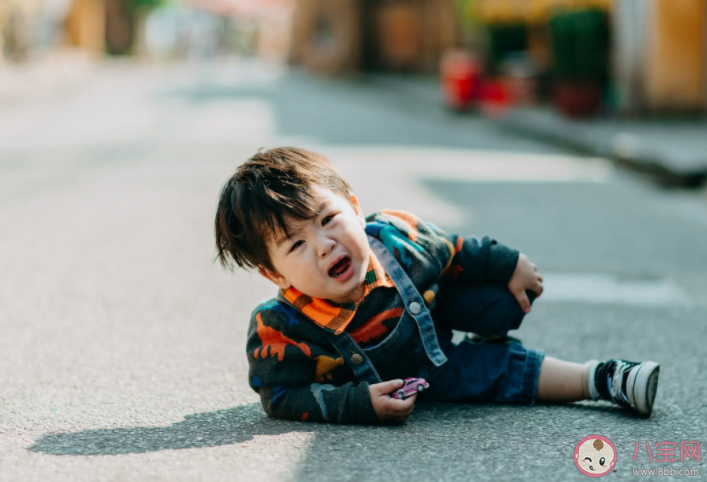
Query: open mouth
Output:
(340,268)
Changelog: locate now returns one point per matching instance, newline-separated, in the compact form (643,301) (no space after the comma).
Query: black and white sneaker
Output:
(628,384)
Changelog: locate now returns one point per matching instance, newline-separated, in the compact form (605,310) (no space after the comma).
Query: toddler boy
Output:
(366,302)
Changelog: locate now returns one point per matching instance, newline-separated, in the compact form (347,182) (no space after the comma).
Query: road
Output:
(123,342)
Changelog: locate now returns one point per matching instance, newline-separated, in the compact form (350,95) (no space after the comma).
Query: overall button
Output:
(356,359)
(415,308)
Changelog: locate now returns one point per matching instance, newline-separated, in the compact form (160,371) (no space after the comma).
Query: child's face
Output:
(304,260)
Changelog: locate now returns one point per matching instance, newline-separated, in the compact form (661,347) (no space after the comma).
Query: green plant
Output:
(580,42)
(136,5)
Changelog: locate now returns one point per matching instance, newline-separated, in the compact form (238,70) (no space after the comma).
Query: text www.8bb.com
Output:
(667,472)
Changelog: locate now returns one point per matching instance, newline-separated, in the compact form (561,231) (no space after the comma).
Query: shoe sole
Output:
(644,385)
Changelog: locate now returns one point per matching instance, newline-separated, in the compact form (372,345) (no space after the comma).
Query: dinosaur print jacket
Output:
(294,368)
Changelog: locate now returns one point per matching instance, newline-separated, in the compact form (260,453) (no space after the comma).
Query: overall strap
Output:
(414,303)
(354,356)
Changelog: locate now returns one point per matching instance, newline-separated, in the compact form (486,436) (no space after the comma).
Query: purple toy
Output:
(412,385)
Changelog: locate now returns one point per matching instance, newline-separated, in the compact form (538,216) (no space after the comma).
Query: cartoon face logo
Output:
(595,456)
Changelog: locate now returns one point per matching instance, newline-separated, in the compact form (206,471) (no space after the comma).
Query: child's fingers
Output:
(401,409)
(385,388)
(401,406)
(392,408)
(539,288)
(523,301)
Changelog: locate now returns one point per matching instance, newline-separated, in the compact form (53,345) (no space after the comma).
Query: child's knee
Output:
(508,309)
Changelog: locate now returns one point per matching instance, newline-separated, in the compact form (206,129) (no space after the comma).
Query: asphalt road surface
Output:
(122,355)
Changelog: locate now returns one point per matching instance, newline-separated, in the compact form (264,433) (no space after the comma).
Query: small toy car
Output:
(412,385)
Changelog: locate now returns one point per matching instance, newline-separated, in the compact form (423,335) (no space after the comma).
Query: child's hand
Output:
(525,277)
(387,408)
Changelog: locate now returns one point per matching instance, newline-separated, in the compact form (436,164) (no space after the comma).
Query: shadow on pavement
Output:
(210,429)
(240,424)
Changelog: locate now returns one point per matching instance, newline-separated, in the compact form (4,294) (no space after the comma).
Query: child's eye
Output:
(330,216)
(295,245)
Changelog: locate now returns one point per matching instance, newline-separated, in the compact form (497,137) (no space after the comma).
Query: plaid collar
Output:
(334,317)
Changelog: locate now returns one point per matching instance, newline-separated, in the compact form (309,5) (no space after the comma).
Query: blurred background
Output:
(587,57)
(584,57)
(619,78)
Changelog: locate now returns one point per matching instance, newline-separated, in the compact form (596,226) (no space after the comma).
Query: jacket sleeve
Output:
(462,258)
(347,404)
(477,260)
(283,372)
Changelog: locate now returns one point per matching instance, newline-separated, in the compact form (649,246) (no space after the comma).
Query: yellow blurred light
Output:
(530,11)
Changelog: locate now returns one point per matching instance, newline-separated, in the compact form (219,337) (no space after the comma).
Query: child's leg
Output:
(492,310)
(561,381)
(628,384)
(484,372)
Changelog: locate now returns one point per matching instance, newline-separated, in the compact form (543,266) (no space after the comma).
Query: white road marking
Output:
(606,289)
(400,171)
(610,289)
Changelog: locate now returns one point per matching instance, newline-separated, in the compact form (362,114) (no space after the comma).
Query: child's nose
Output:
(325,245)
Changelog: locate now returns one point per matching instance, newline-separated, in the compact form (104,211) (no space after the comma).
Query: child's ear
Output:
(276,278)
(357,210)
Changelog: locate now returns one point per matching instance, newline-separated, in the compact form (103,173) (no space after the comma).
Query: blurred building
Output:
(85,26)
(629,56)
(634,57)
(18,20)
(337,37)
(586,56)
(258,27)
(660,54)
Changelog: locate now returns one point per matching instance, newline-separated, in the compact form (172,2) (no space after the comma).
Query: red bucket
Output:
(460,75)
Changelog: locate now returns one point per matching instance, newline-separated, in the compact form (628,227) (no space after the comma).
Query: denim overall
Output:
(421,346)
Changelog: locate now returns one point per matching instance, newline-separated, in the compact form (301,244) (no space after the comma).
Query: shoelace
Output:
(616,389)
